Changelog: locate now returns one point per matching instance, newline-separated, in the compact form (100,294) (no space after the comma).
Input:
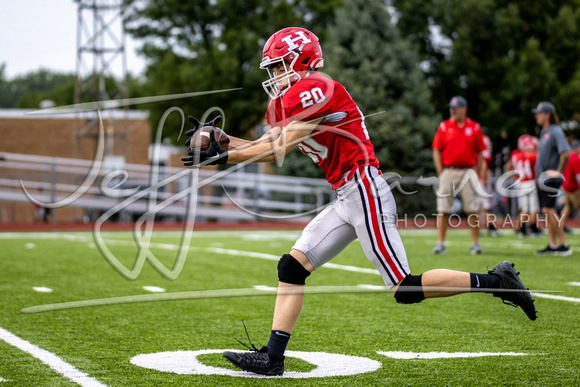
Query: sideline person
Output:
(571,184)
(458,157)
(316,114)
(523,162)
(553,154)
(485,180)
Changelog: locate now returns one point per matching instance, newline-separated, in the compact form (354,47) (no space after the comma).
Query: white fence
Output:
(232,195)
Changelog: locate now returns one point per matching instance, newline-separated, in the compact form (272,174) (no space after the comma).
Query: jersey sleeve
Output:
(271,114)
(479,144)
(438,140)
(514,156)
(561,142)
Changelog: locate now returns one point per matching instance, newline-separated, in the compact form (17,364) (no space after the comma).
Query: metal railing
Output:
(236,195)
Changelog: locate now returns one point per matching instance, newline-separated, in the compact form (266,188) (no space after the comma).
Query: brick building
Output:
(63,136)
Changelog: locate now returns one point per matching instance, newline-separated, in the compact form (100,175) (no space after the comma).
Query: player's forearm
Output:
(270,136)
(275,146)
(236,142)
(260,153)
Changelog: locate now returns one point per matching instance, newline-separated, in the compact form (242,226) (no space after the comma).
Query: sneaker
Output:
(517,294)
(476,249)
(256,361)
(548,250)
(563,250)
(439,249)
(493,233)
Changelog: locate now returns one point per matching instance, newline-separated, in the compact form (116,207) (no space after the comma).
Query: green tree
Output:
(27,91)
(204,45)
(366,53)
(503,56)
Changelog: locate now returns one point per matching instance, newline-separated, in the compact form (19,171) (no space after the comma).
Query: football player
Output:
(523,162)
(310,111)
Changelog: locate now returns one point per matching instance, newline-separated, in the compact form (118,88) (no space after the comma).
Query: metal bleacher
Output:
(131,190)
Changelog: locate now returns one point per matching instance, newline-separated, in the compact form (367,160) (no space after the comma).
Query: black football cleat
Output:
(516,293)
(256,361)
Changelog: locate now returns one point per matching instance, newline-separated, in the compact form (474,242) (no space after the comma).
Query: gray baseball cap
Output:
(544,107)
(457,102)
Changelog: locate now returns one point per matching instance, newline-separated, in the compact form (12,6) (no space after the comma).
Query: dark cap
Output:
(457,102)
(544,107)
(575,144)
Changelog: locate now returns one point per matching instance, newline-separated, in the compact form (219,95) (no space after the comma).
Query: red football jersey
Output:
(459,146)
(339,143)
(572,169)
(488,151)
(524,164)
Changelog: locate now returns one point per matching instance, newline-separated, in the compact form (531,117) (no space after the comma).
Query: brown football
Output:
(200,139)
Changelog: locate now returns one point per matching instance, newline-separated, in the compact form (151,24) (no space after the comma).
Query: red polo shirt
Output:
(459,146)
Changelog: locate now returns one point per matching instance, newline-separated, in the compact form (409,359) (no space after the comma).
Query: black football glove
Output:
(198,125)
(213,155)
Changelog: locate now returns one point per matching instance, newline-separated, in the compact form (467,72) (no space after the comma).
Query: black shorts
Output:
(548,194)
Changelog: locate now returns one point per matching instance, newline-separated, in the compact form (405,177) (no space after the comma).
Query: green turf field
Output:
(83,333)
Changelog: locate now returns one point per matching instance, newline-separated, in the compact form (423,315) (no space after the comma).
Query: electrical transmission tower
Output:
(101,74)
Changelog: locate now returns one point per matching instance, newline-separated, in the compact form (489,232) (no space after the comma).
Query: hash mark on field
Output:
(30,245)
(574,283)
(154,289)
(42,289)
(264,287)
(375,287)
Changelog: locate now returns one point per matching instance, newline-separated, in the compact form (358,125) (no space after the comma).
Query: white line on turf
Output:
(551,297)
(42,289)
(154,289)
(51,360)
(3,380)
(445,355)
(574,283)
(374,287)
(265,288)
(187,363)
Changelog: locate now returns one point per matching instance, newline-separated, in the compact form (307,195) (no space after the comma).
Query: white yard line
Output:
(445,355)
(51,360)
(154,289)
(551,297)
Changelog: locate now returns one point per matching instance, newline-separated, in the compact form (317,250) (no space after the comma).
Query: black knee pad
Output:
(410,290)
(291,271)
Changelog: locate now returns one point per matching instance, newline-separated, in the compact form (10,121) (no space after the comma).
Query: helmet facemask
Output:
(277,85)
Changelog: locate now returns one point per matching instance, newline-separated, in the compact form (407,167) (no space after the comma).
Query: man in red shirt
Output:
(458,158)
(571,184)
